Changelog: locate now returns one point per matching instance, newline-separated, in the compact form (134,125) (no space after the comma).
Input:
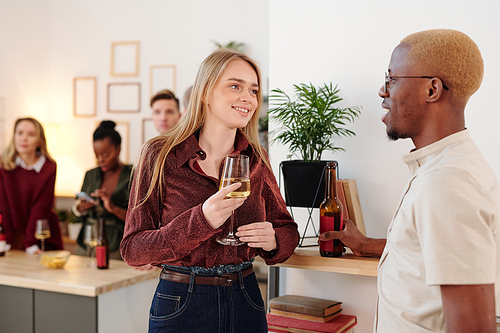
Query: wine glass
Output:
(42,231)
(236,170)
(90,238)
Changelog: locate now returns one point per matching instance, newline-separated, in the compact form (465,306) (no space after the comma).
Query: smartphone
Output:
(83,195)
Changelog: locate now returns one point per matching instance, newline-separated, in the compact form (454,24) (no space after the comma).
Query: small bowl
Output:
(54,259)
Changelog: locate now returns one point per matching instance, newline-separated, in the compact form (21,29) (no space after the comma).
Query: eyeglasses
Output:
(388,79)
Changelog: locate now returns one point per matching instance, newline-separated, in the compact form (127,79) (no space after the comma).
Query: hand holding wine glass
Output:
(217,209)
(90,238)
(236,170)
(42,231)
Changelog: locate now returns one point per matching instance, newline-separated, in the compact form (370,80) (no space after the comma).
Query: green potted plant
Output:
(308,122)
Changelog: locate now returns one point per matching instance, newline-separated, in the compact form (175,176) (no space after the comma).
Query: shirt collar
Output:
(37,166)
(419,157)
(190,148)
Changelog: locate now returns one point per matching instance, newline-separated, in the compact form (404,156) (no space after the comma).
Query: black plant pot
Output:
(304,182)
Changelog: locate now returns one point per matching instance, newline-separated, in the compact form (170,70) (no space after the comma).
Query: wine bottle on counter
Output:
(331,214)
(3,243)
(102,247)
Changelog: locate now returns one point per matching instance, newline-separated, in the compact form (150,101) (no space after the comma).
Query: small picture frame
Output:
(148,130)
(162,77)
(125,58)
(122,127)
(85,96)
(124,97)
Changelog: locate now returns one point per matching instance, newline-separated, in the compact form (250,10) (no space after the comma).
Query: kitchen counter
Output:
(75,298)
(18,269)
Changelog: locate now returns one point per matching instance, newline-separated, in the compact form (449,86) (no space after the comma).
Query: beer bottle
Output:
(102,247)
(331,214)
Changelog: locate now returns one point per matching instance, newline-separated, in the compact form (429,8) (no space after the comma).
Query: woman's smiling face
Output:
(234,99)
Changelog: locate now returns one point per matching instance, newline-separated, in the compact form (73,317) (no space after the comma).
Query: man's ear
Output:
(434,90)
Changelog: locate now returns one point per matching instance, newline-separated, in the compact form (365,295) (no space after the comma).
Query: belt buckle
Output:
(225,280)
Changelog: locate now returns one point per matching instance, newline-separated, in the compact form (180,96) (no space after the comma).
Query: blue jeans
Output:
(188,307)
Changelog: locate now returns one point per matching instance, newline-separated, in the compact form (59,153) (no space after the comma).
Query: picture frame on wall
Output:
(124,97)
(122,127)
(148,130)
(85,96)
(125,58)
(162,77)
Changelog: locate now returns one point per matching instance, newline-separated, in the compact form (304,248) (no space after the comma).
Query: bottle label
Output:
(101,254)
(3,244)
(331,223)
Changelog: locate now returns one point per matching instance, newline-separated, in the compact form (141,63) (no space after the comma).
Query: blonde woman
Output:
(176,211)
(27,181)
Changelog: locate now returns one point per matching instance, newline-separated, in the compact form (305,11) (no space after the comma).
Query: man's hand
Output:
(359,244)
(258,234)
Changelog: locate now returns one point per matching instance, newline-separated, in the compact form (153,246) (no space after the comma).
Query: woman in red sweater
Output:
(177,211)
(27,181)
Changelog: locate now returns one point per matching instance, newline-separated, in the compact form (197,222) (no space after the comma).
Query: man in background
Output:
(166,110)
(440,263)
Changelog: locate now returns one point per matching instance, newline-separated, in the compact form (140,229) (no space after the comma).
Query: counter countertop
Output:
(18,269)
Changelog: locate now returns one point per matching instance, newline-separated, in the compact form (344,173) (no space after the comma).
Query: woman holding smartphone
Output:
(177,210)
(108,185)
(27,181)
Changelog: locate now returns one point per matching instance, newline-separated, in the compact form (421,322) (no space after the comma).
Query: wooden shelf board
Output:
(309,258)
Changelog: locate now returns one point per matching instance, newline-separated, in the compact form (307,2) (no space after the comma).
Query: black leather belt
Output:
(224,280)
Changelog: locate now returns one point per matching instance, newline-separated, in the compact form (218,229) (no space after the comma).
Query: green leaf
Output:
(310,120)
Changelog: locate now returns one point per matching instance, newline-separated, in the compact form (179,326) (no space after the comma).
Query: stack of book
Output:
(292,313)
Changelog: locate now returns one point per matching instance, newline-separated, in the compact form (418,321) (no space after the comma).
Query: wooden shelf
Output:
(309,258)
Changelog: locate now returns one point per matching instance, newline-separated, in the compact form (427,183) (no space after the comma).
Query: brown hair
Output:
(450,55)
(8,158)
(164,94)
(208,76)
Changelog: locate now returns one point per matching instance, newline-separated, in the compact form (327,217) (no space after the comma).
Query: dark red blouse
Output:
(26,196)
(175,231)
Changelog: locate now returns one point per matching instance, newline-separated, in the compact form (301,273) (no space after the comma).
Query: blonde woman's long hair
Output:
(8,158)
(208,76)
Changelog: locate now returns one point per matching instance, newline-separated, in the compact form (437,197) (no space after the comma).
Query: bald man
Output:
(440,263)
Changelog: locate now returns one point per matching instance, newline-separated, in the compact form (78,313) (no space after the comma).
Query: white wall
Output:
(24,60)
(349,42)
(44,44)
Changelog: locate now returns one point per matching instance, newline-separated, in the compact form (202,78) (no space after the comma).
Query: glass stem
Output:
(231,226)
(43,245)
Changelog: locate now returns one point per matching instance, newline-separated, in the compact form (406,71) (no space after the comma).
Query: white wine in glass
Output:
(236,170)
(241,192)
(90,239)
(42,231)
